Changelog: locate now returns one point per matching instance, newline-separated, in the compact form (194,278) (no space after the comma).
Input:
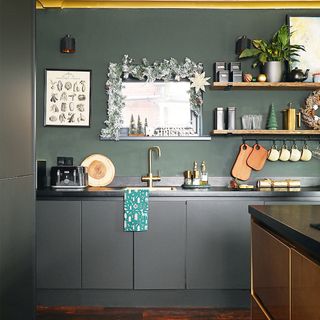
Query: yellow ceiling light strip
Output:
(189,4)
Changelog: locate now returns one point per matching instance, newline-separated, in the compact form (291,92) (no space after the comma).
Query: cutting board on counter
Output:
(101,170)
(240,169)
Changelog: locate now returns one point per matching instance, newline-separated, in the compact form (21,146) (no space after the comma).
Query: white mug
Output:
(273,153)
(284,153)
(306,154)
(295,153)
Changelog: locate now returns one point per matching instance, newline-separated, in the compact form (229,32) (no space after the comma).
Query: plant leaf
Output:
(247,53)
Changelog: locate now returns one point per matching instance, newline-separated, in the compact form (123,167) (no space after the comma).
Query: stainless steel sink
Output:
(117,189)
(160,188)
(106,189)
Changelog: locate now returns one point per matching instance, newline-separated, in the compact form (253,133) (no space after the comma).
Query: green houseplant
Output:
(274,53)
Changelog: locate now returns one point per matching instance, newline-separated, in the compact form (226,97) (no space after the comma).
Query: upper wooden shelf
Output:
(265,132)
(266,85)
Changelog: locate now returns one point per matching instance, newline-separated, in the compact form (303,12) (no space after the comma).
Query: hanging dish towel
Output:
(136,209)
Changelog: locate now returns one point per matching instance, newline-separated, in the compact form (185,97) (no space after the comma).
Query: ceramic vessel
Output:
(297,75)
(274,71)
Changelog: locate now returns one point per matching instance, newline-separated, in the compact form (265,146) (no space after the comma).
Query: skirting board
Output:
(145,298)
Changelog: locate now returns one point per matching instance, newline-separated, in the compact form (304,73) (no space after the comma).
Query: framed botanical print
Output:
(306,31)
(67,98)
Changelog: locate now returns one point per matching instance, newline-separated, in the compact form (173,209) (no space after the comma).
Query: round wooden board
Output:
(101,170)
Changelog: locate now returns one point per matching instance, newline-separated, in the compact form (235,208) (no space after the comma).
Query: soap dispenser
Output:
(196,174)
(204,174)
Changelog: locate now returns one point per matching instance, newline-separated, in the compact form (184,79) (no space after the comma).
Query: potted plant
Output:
(274,53)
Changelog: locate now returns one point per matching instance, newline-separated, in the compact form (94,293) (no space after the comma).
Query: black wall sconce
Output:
(242,43)
(68,44)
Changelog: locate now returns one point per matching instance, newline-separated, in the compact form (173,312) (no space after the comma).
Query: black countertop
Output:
(292,222)
(312,192)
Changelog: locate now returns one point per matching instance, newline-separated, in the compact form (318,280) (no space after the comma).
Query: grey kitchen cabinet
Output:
(218,243)
(107,251)
(58,244)
(159,253)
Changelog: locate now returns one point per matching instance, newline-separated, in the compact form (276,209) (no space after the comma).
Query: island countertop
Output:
(292,222)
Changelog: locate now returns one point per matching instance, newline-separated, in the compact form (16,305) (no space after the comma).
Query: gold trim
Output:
(264,311)
(188,4)
(290,283)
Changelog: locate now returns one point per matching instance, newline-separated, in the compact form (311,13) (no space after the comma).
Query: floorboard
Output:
(101,313)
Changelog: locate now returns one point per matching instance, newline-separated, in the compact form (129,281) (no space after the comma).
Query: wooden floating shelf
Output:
(264,132)
(266,85)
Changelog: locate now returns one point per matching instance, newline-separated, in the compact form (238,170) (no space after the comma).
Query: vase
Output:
(274,71)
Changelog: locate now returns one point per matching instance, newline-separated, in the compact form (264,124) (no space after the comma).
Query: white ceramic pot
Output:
(274,71)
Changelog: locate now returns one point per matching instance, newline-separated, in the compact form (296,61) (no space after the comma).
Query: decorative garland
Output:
(308,112)
(166,70)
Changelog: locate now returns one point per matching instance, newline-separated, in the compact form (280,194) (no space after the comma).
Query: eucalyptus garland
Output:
(166,70)
(308,113)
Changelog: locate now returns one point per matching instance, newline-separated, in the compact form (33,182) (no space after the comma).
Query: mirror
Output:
(164,100)
(158,109)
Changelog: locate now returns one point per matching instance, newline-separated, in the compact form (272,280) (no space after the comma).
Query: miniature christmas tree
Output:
(272,119)
(140,129)
(145,124)
(132,129)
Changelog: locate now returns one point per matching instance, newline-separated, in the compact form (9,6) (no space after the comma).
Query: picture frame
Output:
(67,98)
(306,31)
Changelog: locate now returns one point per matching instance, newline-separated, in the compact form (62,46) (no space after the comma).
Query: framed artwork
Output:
(306,31)
(67,98)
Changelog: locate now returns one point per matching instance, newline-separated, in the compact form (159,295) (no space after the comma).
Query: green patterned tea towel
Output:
(136,209)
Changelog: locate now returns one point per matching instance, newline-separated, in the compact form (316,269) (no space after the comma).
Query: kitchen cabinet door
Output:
(256,311)
(58,244)
(159,253)
(270,273)
(218,243)
(305,287)
(107,251)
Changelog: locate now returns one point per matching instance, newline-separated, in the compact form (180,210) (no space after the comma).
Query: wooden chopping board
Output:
(257,157)
(101,170)
(240,169)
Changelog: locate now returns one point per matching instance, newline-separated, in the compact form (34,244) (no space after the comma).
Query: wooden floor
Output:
(100,313)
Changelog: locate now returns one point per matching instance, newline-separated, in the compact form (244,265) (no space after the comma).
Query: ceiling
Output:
(195,4)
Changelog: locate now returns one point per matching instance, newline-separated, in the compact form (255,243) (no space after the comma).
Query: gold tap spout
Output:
(150,178)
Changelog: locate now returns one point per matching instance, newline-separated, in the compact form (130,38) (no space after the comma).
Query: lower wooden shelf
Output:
(264,132)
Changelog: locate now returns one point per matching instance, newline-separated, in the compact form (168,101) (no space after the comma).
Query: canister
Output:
(218,66)
(316,77)
(231,118)
(219,119)
(236,76)
(223,76)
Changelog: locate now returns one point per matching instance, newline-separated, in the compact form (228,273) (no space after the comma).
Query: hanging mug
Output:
(273,153)
(295,153)
(284,153)
(306,154)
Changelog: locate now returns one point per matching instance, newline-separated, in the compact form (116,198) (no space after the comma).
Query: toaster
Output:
(72,177)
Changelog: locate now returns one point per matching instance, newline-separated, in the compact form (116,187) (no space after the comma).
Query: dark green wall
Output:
(105,35)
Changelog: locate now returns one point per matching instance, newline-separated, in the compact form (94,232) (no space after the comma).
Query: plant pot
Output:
(274,71)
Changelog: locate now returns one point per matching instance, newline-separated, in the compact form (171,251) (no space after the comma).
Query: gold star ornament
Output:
(199,81)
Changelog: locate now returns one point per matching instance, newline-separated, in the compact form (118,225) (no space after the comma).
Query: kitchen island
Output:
(285,262)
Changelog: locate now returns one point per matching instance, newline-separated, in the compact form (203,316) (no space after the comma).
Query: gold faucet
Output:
(150,178)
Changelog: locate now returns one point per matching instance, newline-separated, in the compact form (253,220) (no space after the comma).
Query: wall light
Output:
(242,43)
(68,44)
